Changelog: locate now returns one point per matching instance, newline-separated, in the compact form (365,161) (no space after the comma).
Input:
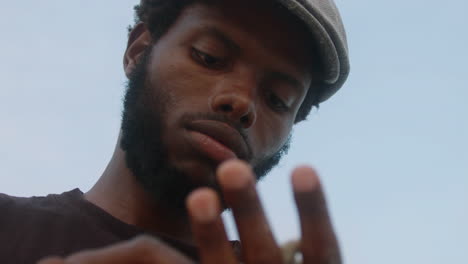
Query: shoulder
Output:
(33,226)
(24,206)
(8,202)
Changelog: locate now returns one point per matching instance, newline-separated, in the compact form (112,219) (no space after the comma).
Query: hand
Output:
(318,243)
(141,250)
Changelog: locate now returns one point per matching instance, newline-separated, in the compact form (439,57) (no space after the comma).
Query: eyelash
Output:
(276,103)
(202,57)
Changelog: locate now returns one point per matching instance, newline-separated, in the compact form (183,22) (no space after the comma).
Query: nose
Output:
(238,106)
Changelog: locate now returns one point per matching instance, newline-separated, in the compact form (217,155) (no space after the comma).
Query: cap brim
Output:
(330,40)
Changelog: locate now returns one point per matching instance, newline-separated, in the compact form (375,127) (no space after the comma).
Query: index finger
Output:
(318,243)
(238,185)
(208,228)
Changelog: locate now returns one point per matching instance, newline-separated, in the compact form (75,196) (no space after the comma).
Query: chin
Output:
(200,173)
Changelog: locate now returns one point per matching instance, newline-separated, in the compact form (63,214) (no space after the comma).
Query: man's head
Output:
(210,81)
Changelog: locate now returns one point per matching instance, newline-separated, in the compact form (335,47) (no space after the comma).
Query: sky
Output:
(391,146)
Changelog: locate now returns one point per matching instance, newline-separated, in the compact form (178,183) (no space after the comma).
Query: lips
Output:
(218,139)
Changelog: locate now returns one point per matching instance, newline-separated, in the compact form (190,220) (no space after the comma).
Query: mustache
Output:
(224,119)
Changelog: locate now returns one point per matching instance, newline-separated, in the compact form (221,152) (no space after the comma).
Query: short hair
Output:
(160,15)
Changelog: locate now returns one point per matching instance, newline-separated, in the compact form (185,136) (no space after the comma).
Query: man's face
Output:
(226,81)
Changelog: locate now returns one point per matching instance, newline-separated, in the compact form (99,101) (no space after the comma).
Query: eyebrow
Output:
(222,37)
(215,32)
(287,78)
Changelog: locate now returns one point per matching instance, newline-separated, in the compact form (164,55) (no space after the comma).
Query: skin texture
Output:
(318,243)
(203,73)
(248,65)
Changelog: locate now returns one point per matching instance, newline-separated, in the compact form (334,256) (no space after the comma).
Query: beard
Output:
(144,113)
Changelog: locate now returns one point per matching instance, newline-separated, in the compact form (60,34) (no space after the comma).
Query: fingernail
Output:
(304,179)
(203,205)
(235,174)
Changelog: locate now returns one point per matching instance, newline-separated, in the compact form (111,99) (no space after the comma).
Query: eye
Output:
(276,103)
(208,60)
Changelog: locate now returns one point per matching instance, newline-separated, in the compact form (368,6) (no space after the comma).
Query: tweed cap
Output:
(324,21)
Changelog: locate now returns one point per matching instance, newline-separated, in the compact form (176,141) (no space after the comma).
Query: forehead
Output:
(260,25)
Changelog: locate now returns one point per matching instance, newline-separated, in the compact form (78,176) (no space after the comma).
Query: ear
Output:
(138,40)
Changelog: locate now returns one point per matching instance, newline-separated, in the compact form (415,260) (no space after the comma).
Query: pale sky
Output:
(391,146)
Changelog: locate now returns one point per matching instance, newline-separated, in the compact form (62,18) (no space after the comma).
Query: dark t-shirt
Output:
(59,225)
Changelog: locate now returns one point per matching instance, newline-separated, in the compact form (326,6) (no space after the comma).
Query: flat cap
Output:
(324,21)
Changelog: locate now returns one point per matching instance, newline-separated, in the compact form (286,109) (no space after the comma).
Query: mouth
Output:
(217,140)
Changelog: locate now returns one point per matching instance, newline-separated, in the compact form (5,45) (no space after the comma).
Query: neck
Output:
(119,193)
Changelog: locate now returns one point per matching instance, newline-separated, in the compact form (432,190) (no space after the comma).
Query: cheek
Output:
(176,74)
(269,134)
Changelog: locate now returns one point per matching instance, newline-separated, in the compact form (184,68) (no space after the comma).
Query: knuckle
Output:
(144,243)
(327,257)
(145,246)
(265,257)
(51,260)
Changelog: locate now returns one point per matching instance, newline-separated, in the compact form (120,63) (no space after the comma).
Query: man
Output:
(214,90)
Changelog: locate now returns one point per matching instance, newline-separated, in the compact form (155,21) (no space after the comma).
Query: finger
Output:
(238,185)
(318,243)
(140,250)
(51,260)
(208,228)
